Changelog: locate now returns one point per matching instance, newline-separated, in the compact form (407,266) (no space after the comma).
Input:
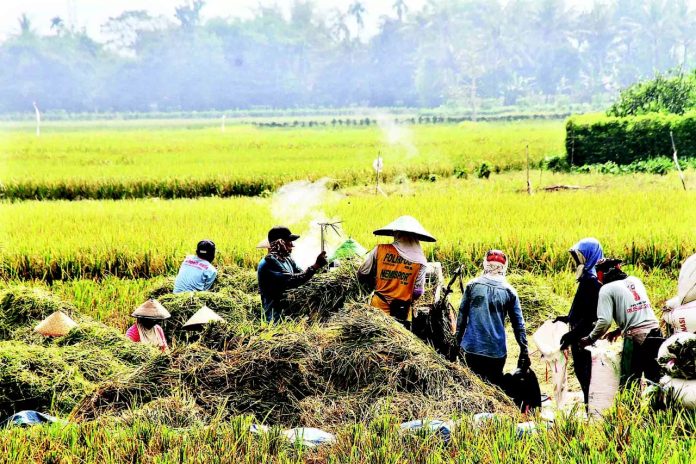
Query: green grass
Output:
(629,434)
(644,219)
(172,161)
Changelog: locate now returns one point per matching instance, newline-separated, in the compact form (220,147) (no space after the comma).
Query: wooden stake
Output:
(676,160)
(529,184)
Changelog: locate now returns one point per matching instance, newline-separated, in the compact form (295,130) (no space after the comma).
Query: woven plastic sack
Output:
(548,339)
(606,374)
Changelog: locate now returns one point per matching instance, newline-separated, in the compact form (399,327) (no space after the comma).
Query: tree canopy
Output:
(450,52)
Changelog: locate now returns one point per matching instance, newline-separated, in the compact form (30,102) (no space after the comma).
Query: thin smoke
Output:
(299,205)
(396,135)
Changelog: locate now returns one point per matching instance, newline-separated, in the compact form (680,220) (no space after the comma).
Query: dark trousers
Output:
(641,359)
(489,369)
(582,364)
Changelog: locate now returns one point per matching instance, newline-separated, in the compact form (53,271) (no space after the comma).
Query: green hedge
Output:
(593,138)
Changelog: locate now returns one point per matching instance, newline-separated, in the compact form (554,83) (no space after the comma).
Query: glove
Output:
(566,340)
(561,319)
(523,362)
(585,341)
(321,261)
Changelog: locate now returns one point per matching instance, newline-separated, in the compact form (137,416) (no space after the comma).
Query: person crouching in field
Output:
(277,271)
(146,330)
(583,311)
(196,273)
(396,271)
(624,299)
(487,300)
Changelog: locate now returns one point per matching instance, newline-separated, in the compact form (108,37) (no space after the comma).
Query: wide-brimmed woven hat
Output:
(151,309)
(407,224)
(55,325)
(203,316)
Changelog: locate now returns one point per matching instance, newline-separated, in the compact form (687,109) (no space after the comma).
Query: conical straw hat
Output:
(349,249)
(55,325)
(407,224)
(263,244)
(151,309)
(202,316)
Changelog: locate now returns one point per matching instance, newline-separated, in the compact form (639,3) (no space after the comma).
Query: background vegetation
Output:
(471,53)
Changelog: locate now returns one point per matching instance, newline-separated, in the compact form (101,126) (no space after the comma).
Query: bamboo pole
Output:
(676,160)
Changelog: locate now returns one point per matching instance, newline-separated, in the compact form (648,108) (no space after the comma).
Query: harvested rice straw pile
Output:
(280,374)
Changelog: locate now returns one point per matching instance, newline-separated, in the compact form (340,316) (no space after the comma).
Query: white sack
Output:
(548,339)
(682,318)
(686,286)
(683,390)
(605,377)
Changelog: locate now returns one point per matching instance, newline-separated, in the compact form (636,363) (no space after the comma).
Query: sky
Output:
(91,14)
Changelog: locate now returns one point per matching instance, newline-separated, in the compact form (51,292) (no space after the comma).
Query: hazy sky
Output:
(91,14)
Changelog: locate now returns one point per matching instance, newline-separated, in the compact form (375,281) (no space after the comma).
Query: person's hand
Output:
(321,261)
(613,335)
(566,341)
(563,319)
(523,362)
(585,341)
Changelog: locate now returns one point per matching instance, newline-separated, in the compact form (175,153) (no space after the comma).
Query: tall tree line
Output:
(457,52)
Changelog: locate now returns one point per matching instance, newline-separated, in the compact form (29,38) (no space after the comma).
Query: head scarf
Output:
(409,248)
(493,265)
(591,252)
(279,249)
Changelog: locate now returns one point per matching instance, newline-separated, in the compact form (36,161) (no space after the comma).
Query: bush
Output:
(483,171)
(663,94)
(597,139)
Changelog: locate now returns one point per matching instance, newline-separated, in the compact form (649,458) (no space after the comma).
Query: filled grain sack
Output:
(548,339)
(606,373)
(682,318)
(686,286)
(682,390)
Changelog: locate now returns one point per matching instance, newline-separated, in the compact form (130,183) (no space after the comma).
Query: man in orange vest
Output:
(396,271)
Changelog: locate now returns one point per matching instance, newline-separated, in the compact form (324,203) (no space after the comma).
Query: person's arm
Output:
(605,306)
(209,278)
(276,276)
(517,321)
(419,287)
(367,272)
(133,334)
(463,317)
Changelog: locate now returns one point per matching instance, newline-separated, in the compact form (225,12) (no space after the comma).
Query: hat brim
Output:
(293,237)
(391,233)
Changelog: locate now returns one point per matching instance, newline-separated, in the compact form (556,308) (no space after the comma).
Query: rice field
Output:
(644,219)
(171,161)
(128,201)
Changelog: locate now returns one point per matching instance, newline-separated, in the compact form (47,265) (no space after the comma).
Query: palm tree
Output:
(401,9)
(25,25)
(357,10)
(57,24)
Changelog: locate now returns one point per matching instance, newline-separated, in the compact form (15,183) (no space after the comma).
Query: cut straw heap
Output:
(346,370)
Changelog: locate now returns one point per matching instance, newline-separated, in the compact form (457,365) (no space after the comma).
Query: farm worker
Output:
(277,271)
(624,299)
(146,330)
(196,273)
(583,311)
(486,302)
(396,271)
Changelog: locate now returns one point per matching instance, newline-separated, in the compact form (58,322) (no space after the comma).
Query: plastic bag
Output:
(548,339)
(27,418)
(441,428)
(606,374)
(309,436)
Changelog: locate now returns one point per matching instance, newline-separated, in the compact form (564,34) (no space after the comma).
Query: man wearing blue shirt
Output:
(486,302)
(196,273)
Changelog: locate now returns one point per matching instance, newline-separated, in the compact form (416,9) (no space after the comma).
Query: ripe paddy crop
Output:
(646,220)
(171,161)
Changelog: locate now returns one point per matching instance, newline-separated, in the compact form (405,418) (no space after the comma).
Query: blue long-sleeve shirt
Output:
(481,322)
(276,276)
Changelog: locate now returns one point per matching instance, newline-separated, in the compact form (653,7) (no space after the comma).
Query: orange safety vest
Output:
(395,279)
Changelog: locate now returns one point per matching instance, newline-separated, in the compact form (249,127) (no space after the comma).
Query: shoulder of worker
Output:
(588,284)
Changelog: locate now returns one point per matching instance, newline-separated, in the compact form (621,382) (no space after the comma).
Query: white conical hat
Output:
(202,316)
(152,309)
(263,244)
(407,224)
(55,325)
